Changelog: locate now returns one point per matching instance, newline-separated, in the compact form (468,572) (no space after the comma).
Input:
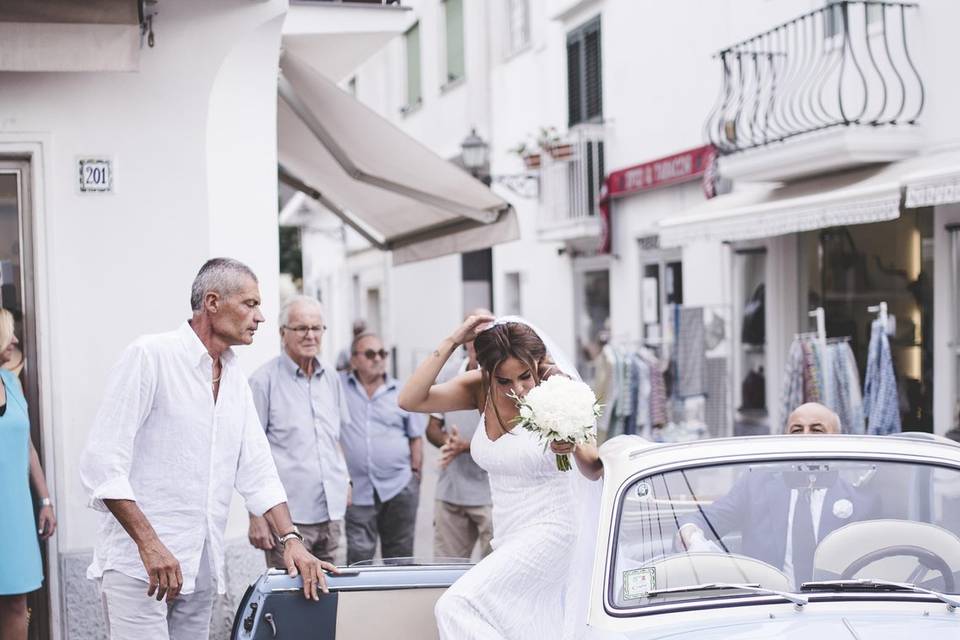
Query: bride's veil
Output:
(554,352)
(586,509)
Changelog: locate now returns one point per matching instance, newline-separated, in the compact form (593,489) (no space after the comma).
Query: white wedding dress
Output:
(530,586)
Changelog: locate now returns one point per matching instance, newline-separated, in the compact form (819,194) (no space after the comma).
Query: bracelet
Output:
(288,536)
(46,502)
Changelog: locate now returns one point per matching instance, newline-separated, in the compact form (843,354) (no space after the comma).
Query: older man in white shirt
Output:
(176,433)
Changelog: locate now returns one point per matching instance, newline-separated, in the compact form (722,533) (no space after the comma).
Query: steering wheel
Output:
(926,558)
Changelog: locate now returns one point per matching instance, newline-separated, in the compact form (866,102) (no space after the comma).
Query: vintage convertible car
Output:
(885,549)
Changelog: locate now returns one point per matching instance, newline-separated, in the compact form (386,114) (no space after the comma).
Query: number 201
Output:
(96,175)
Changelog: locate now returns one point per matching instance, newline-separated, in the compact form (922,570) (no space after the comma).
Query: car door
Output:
(363,603)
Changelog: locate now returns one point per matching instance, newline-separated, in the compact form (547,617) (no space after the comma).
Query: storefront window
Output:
(661,287)
(593,318)
(750,394)
(848,269)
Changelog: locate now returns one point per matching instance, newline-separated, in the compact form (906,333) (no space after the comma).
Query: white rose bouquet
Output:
(559,409)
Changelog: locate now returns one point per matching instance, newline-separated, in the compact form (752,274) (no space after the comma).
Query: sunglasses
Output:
(370,354)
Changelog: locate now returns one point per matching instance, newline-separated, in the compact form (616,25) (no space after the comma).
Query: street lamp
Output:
(473,152)
(475,156)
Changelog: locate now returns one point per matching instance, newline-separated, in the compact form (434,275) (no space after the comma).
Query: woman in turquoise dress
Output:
(20,568)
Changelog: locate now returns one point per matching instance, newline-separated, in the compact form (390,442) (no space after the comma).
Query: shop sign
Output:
(675,169)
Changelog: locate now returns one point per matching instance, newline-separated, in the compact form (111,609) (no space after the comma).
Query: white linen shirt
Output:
(160,440)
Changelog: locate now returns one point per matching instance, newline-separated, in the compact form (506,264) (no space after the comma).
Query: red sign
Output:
(680,167)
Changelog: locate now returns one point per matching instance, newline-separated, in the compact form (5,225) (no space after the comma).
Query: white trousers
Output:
(133,615)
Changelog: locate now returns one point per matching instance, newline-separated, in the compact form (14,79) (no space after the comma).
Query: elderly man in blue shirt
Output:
(384,449)
(301,406)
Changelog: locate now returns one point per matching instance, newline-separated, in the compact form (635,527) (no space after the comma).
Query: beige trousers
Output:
(456,529)
(131,614)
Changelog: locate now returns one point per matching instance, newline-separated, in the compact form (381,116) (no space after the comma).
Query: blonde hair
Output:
(6,329)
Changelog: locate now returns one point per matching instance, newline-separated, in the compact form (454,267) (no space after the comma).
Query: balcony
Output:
(833,89)
(571,175)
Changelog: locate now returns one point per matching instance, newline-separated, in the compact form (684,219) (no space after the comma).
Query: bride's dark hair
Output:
(500,342)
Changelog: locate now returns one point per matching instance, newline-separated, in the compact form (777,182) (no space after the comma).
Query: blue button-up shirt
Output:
(302,417)
(376,441)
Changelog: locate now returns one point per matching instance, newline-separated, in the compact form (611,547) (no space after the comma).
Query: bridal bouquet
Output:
(559,409)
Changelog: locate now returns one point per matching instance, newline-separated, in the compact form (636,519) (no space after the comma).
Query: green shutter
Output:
(456,67)
(413,65)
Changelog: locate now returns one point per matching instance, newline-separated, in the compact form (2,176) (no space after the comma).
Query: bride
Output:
(535,583)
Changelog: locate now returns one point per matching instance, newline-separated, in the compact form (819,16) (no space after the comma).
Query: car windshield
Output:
(772,526)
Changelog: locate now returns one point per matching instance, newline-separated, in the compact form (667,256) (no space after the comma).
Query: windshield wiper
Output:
(867,583)
(796,599)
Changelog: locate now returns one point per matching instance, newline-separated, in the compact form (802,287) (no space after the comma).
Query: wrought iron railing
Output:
(847,63)
(571,175)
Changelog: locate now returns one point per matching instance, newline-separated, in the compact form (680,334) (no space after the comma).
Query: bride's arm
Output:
(587,457)
(420,394)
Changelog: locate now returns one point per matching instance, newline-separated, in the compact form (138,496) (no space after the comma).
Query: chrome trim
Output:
(386,587)
(709,603)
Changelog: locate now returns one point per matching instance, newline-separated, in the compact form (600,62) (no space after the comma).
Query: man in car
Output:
(780,520)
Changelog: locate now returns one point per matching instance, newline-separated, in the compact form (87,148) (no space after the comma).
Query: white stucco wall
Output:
(193,136)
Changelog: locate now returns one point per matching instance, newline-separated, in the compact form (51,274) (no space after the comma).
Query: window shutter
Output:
(413,65)
(453,10)
(574,75)
(584,74)
(594,83)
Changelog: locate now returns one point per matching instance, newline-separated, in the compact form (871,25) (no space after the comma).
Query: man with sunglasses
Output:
(384,449)
(302,407)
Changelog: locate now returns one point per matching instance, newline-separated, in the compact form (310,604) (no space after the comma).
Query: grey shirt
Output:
(302,418)
(377,440)
(462,482)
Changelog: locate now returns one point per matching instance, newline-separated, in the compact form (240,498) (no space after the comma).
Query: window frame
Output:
(448,79)
(411,103)
(735,600)
(578,36)
(512,46)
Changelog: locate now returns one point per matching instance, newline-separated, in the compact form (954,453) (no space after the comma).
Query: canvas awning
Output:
(394,191)
(66,35)
(760,211)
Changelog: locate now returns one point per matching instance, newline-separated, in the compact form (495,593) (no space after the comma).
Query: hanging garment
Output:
(845,380)
(753,391)
(792,396)
(605,386)
(643,423)
(658,390)
(753,329)
(633,383)
(715,409)
(691,353)
(880,402)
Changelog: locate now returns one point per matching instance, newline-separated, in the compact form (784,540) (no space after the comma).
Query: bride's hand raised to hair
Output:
(467,331)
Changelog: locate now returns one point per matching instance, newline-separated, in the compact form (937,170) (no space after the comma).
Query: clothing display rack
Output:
(824,370)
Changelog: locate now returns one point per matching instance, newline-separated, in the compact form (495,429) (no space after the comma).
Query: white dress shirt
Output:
(816,508)
(159,439)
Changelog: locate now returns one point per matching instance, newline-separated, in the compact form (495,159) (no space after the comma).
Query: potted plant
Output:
(529,154)
(549,141)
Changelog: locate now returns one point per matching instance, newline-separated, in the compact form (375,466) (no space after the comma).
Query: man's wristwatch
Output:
(46,502)
(288,536)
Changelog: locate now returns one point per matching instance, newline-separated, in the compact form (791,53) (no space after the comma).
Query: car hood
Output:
(804,626)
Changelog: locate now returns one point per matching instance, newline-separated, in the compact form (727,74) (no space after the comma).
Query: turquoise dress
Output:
(20,568)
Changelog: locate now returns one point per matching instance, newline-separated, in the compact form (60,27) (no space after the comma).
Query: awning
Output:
(936,181)
(761,211)
(66,35)
(395,192)
(336,37)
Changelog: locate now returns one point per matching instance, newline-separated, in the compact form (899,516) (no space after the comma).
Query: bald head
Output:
(813,417)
